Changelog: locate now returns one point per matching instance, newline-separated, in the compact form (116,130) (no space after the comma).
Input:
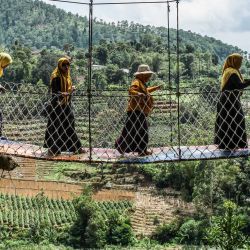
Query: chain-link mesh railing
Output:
(169,133)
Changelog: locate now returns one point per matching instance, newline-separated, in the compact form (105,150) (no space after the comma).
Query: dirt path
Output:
(58,190)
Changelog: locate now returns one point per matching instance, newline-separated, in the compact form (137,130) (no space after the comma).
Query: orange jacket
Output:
(141,103)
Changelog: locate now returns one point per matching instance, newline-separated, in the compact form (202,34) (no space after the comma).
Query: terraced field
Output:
(24,212)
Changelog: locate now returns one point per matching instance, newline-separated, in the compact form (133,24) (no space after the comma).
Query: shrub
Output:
(226,230)
(119,230)
(190,232)
(95,234)
(167,232)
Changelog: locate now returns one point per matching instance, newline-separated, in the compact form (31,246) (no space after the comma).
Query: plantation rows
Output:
(23,212)
(120,207)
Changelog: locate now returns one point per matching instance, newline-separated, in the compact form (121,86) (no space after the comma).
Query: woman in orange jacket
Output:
(134,136)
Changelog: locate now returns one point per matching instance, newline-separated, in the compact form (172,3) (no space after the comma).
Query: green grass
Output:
(60,170)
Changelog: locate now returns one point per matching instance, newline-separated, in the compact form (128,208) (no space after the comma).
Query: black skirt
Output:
(60,134)
(230,128)
(134,136)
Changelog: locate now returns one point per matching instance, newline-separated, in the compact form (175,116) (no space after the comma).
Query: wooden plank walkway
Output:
(107,155)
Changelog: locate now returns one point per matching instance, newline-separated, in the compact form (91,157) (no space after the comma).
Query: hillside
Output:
(39,25)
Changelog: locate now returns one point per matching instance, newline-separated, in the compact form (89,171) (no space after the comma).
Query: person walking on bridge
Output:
(5,60)
(230,128)
(134,136)
(60,133)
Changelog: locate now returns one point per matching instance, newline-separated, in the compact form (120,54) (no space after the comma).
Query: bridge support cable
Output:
(90,58)
(178,75)
(169,73)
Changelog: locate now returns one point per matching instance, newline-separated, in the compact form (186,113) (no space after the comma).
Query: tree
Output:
(119,230)
(190,48)
(101,55)
(226,230)
(156,63)
(188,60)
(95,234)
(45,66)
(115,75)
(85,209)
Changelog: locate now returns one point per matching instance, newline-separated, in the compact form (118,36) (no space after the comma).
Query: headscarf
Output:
(231,66)
(65,79)
(5,60)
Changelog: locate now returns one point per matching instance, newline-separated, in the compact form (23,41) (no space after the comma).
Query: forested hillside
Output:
(37,34)
(36,24)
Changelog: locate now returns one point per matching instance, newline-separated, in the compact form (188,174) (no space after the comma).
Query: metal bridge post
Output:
(169,77)
(89,92)
(178,76)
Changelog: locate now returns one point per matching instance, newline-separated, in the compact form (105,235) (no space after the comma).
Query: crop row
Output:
(23,212)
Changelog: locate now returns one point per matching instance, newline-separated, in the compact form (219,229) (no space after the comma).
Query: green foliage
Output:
(119,230)
(179,177)
(85,210)
(42,25)
(82,222)
(242,183)
(45,65)
(100,223)
(190,232)
(95,234)
(24,213)
(37,37)
(206,191)
(42,233)
(226,229)
(150,171)
(166,233)
(215,181)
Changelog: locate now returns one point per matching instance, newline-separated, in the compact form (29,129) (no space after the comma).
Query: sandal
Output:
(80,151)
(145,153)
(51,153)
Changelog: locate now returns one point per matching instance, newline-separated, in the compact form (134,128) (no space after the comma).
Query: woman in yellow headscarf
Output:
(60,134)
(230,128)
(5,60)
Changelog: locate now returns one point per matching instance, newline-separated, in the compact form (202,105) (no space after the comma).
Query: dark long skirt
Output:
(230,128)
(60,134)
(134,136)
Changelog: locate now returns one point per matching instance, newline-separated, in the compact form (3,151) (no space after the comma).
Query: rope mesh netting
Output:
(181,129)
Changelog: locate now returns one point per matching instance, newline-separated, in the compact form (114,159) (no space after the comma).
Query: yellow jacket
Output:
(141,103)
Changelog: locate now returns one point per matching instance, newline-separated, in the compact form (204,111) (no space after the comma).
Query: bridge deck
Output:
(107,155)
